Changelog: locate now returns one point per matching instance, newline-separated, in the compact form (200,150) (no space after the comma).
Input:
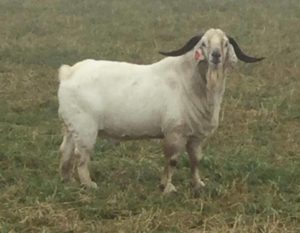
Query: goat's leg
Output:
(195,154)
(85,134)
(173,146)
(83,155)
(67,157)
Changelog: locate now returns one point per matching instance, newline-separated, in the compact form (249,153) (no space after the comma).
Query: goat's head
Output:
(214,47)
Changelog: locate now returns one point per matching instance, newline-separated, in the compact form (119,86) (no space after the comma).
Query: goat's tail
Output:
(64,72)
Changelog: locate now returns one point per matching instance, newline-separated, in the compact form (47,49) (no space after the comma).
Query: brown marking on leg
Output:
(173,163)
(67,157)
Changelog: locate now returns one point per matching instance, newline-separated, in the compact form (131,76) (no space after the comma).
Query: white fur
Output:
(127,101)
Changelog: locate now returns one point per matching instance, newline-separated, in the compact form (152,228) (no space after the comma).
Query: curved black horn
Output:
(240,54)
(186,48)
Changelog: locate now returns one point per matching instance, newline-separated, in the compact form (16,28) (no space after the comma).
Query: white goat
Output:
(177,99)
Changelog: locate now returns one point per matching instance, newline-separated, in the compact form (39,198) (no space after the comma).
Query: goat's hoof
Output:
(170,188)
(199,184)
(197,188)
(90,185)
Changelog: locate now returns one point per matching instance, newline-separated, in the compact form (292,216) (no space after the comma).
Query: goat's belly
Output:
(131,126)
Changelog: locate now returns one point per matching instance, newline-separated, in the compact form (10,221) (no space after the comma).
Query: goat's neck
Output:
(203,81)
(204,89)
(215,85)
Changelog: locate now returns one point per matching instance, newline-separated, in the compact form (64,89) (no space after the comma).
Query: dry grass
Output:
(251,164)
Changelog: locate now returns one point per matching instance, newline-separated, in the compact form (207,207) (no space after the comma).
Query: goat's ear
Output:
(231,56)
(240,54)
(186,48)
(198,54)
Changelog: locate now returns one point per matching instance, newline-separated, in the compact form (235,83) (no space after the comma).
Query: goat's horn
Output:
(186,48)
(240,54)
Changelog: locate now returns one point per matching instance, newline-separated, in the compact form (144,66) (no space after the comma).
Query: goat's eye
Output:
(226,44)
(203,44)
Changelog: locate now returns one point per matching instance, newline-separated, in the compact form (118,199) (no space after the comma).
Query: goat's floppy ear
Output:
(186,48)
(231,56)
(240,54)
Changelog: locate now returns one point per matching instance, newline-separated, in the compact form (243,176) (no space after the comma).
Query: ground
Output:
(251,164)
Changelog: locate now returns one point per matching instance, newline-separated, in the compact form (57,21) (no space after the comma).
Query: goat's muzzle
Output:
(215,57)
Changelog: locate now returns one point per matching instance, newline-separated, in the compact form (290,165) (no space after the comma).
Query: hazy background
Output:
(251,164)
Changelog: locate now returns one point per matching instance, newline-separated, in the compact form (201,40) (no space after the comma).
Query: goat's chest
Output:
(203,118)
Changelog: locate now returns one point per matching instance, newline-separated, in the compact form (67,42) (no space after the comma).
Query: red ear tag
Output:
(198,55)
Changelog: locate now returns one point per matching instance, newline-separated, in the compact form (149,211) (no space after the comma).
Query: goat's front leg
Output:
(195,154)
(173,146)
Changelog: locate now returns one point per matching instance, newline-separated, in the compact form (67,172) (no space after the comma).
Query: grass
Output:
(251,164)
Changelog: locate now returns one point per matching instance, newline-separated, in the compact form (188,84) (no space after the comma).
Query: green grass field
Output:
(251,164)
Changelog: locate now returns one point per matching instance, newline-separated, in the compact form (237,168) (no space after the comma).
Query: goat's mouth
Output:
(215,62)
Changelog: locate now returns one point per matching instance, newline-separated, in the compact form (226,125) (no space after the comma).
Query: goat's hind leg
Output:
(66,165)
(85,139)
(83,159)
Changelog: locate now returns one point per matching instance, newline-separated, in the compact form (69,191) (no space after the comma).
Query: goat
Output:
(176,99)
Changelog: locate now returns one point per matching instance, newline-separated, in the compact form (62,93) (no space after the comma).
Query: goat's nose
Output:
(216,54)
